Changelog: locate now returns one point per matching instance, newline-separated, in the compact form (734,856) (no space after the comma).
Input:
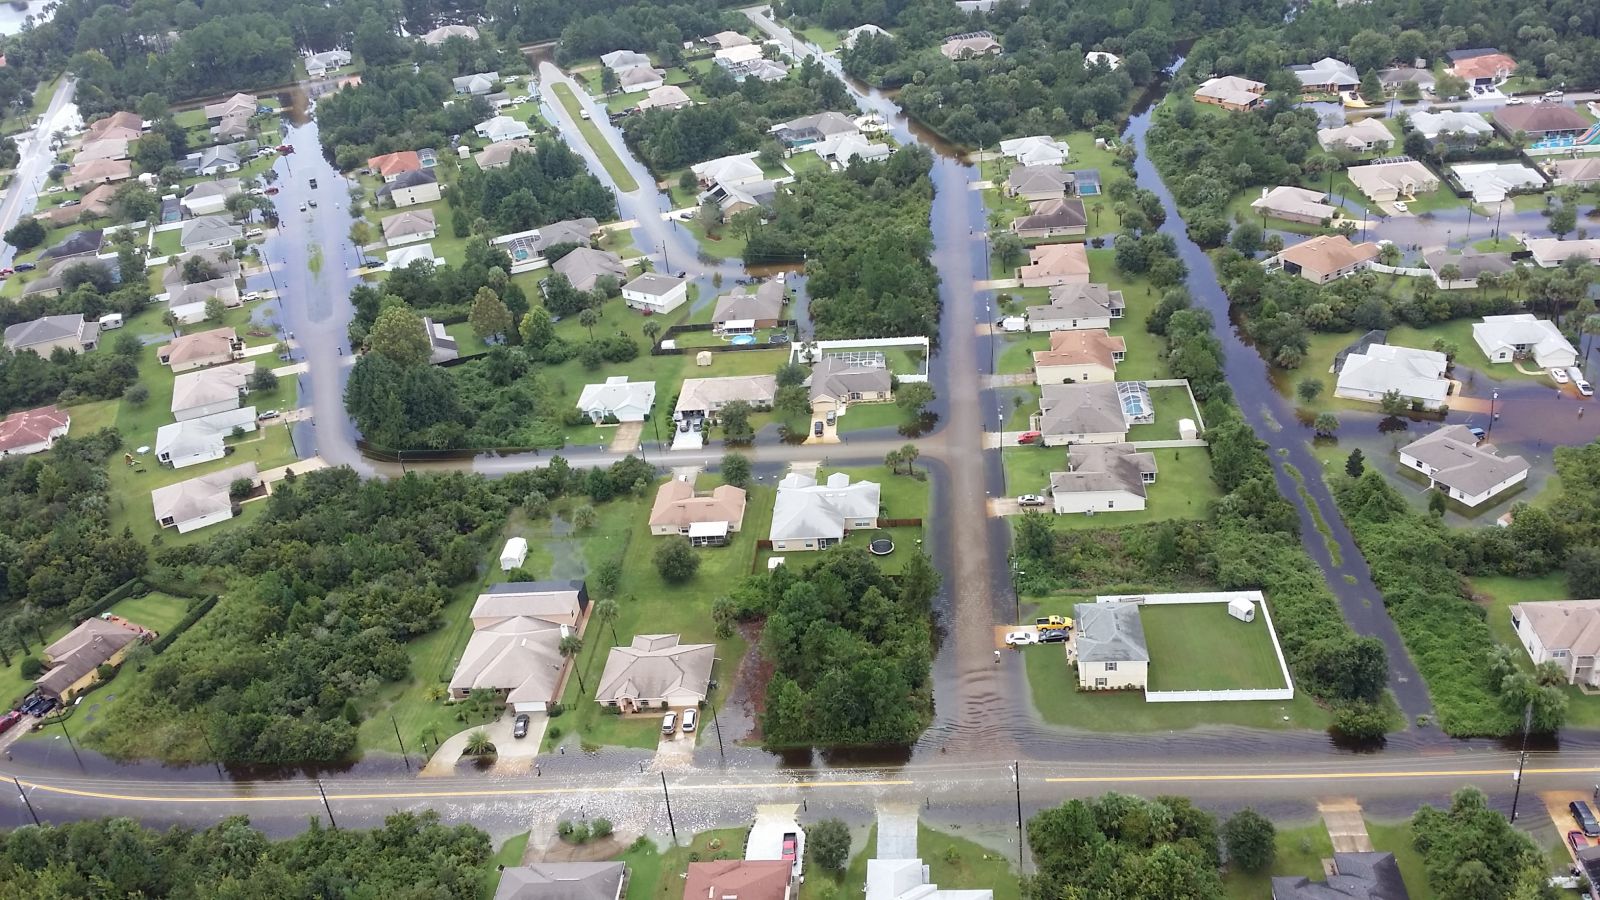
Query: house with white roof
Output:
(208,233)
(320,65)
(854,34)
(655,292)
(501,128)
(1386,182)
(1551,252)
(1100,57)
(812,516)
(1036,150)
(702,397)
(195,441)
(665,97)
(1454,126)
(403,256)
(1465,470)
(1295,204)
(1492,182)
(476,84)
(725,170)
(1109,645)
(637,79)
(910,879)
(1360,136)
(1231,93)
(1326,76)
(1522,336)
(1419,375)
(617,398)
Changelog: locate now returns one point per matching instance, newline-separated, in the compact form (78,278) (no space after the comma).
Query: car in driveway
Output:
(519,726)
(791,846)
(10,719)
(1400,206)
(268,416)
(1584,816)
(816,428)
(1029,437)
(1030,500)
(1053,637)
(1559,375)
(1577,841)
(26,267)
(1573,372)
(669,723)
(1513,101)
(691,718)
(1021,638)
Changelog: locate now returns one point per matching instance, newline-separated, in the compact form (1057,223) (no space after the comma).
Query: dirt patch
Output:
(589,851)
(749,697)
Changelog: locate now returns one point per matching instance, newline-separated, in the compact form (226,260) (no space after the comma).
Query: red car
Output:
(285,148)
(790,845)
(1577,840)
(272,190)
(9,719)
(1028,437)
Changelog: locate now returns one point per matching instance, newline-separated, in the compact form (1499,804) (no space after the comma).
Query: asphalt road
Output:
(23,194)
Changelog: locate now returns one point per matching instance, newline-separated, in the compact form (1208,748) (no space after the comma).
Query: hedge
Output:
(193,616)
(116,595)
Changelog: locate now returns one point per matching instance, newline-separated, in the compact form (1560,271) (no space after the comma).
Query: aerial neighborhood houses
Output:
(654,672)
(411,189)
(633,71)
(1326,76)
(1231,93)
(408,227)
(515,647)
(668,96)
(741,311)
(1563,632)
(30,431)
(705,519)
(1090,413)
(1325,258)
(1418,376)
(1541,120)
(1109,644)
(1386,182)
(442,348)
(1295,204)
(445,32)
(815,516)
(204,500)
(838,381)
(1550,252)
(476,84)
(72,663)
(1480,66)
(1037,150)
(1521,336)
(75,333)
(702,398)
(1077,306)
(617,400)
(1452,127)
(1102,477)
(328,62)
(585,266)
(1083,356)
(1359,136)
(1051,264)
(1459,465)
(655,293)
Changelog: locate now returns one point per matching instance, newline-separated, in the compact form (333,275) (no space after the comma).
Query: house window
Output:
(1558,654)
(1099,682)
(1111,667)
(1111,504)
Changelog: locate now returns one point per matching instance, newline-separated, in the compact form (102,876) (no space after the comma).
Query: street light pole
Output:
(26,801)
(1493,396)
(63,723)
(670,824)
(717,723)
(1016,780)
(400,741)
(326,805)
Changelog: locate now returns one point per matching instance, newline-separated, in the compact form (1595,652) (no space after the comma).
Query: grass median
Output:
(597,141)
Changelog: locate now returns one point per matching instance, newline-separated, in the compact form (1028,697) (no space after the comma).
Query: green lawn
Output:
(1183,487)
(821,884)
(167,242)
(156,611)
(1496,594)
(1054,684)
(1300,851)
(806,161)
(826,39)
(445,245)
(721,243)
(1171,404)
(1396,838)
(597,141)
(957,863)
(509,854)
(1144,354)
(864,416)
(1200,647)
(467,341)
(1082,154)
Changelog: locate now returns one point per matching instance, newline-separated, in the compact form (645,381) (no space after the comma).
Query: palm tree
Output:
(893,459)
(478,744)
(1487,280)
(170,319)
(589,318)
(606,611)
(651,329)
(1450,273)
(910,453)
(569,648)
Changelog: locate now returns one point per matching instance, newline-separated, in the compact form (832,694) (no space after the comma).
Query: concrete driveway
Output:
(626,437)
(676,750)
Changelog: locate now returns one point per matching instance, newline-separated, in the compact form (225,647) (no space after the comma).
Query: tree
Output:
(1247,238)
(1392,403)
(735,469)
(792,375)
(1583,571)
(676,562)
(262,379)
(1563,219)
(828,844)
(1472,851)
(240,488)
(215,309)
(138,395)
(909,454)
(1308,389)
(651,329)
(913,397)
(894,459)
(606,612)
(792,402)
(27,234)
(170,320)
(1326,424)
(1250,839)
(589,318)
(584,518)
(397,335)
(31,667)
(479,744)
(134,202)
(489,317)
(536,328)
(1009,250)
(1355,463)
(569,647)
(736,428)
(1449,273)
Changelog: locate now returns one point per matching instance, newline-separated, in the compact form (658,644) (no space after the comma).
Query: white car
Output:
(1560,375)
(690,718)
(1021,638)
(54,189)
(1513,101)
(1030,500)
(1400,206)
(1578,381)
(1554,95)
(254,233)
(669,723)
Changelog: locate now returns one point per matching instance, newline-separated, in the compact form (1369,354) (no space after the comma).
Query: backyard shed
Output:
(515,552)
(1242,609)
(1187,429)
(703,358)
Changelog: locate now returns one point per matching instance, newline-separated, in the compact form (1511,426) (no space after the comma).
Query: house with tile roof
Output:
(656,671)
(29,431)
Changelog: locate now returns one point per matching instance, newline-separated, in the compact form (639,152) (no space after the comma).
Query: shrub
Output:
(564,829)
(31,668)
(601,828)
(676,562)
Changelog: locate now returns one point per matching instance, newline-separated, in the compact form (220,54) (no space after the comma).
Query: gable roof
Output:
(728,170)
(500,152)
(79,243)
(1094,468)
(1038,149)
(221,187)
(408,222)
(193,437)
(1577,171)
(1385,367)
(656,666)
(476,83)
(668,95)
(1083,347)
(1357,134)
(1571,625)
(445,32)
(1326,70)
(121,124)
(618,393)
(634,76)
(82,650)
(408,180)
(395,163)
(1295,201)
(584,266)
(200,345)
(1475,64)
(555,601)
(98,170)
(206,386)
(1109,632)
(567,231)
(27,427)
(837,377)
(1453,121)
(202,496)
(561,881)
(738,879)
(1231,89)
(45,329)
(1062,212)
(1463,463)
(806,509)
(237,104)
(618,60)
(766,303)
(1403,176)
(205,229)
(1093,408)
(1522,330)
(1078,301)
(700,394)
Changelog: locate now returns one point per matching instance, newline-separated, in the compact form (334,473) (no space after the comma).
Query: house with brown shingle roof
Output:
(1326,258)
(119,125)
(1090,355)
(678,510)
(74,660)
(969,46)
(1062,217)
(1230,92)
(203,348)
(1565,632)
(1055,264)
(1538,120)
(97,171)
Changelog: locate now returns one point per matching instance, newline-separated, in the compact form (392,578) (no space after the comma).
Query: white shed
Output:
(515,552)
(1187,430)
(1242,609)
(703,358)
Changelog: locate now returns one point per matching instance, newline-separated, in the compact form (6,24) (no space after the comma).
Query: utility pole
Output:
(670,824)
(400,741)
(1522,759)
(63,722)
(326,806)
(26,801)
(666,263)
(1016,779)
(717,723)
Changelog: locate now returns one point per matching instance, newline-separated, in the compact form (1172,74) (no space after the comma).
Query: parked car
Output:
(816,428)
(1052,623)
(519,726)
(832,417)
(1513,101)
(1477,432)
(271,191)
(583,114)
(26,267)
(791,846)
(1028,437)
(1577,841)
(1573,372)
(669,723)
(690,719)
(313,184)
(302,207)
(54,189)
(695,425)
(1559,374)
(1553,96)
(1584,816)
(254,233)
(9,719)
(268,416)
(1053,637)
(1030,500)
(1021,638)
(683,427)
(66,203)
(285,148)
(313,203)
(1400,206)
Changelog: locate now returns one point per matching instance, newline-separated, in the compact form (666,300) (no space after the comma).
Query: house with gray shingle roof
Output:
(43,335)
(1108,644)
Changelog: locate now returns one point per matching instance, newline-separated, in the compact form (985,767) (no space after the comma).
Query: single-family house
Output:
(655,292)
(1540,120)
(665,97)
(910,879)
(210,197)
(702,397)
(656,671)
(29,431)
(1063,217)
(83,242)
(727,170)
(98,171)
(73,662)
(321,65)
(1108,643)
(1469,264)
(1326,76)
(55,280)
(407,227)
(840,149)
(1077,306)
(93,205)
(1493,182)
(1392,79)
(760,68)
(732,199)
(1081,414)
(1418,375)
(585,266)
(43,335)
(705,519)
(125,126)
(203,348)
(1035,150)
(733,57)
(411,188)
(238,104)
(403,256)
(740,879)
(1480,66)
(1390,181)
(501,128)
(217,160)
(562,881)
(1230,92)
(806,130)
(1551,252)
(1084,356)
(1509,338)
(195,441)
(1294,204)
(1325,258)
(1102,58)
(1364,875)
(390,166)
(812,516)
(620,60)
(498,154)
(1102,478)
(1454,127)
(1583,172)
(232,128)
(1361,136)
(442,347)
(1463,469)
(638,79)
(204,392)
(838,382)
(970,46)
(187,300)
(445,32)
(476,84)
(722,40)
(856,33)
(1050,264)
(201,501)
(617,399)
(567,231)
(209,232)
(108,148)
(1034,183)
(742,312)
(1565,632)
(515,648)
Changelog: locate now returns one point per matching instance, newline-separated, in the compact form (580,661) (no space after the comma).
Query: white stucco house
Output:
(1565,632)
(655,292)
(1417,374)
(618,398)
(1522,336)
(1108,643)
(1465,470)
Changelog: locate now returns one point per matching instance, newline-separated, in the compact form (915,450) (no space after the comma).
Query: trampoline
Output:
(742,340)
(881,547)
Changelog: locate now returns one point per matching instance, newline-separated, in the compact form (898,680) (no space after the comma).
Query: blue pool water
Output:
(742,340)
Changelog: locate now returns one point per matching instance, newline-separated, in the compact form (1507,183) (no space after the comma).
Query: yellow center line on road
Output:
(1315,776)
